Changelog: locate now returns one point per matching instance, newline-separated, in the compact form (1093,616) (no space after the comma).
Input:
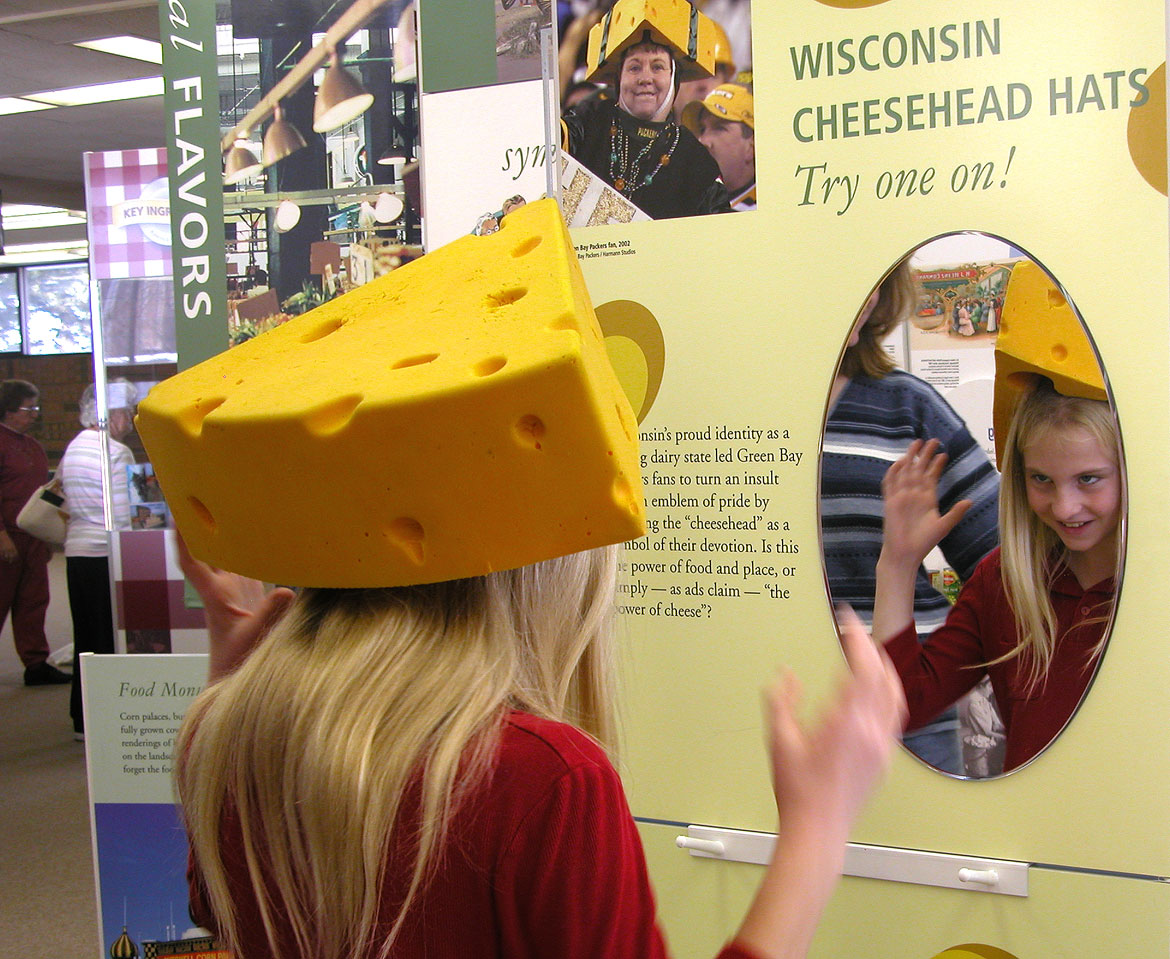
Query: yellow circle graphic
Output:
(1147,132)
(850,4)
(629,362)
(636,349)
(973,950)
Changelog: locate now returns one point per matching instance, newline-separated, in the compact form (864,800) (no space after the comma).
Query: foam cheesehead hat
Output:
(1039,335)
(688,34)
(721,53)
(728,101)
(454,417)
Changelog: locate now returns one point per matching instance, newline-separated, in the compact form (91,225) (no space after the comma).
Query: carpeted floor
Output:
(47,899)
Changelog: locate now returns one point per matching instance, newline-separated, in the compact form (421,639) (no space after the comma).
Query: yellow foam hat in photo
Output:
(454,417)
(688,34)
(1039,335)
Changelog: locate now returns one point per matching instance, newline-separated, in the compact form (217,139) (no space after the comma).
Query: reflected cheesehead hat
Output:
(454,417)
(1039,335)
(688,34)
(728,101)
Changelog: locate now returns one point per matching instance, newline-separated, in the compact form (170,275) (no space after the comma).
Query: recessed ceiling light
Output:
(136,48)
(20,105)
(39,217)
(102,92)
(20,209)
(33,253)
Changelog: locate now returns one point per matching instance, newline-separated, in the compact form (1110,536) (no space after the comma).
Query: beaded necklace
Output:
(628,178)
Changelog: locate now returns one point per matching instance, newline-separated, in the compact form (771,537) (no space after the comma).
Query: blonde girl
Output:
(1035,613)
(425,770)
(875,412)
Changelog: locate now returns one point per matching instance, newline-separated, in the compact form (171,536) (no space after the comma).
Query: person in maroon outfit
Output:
(24,560)
(540,857)
(1034,615)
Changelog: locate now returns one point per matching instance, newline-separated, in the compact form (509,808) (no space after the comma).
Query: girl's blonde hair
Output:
(358,696)
(896,300)
(1032,555)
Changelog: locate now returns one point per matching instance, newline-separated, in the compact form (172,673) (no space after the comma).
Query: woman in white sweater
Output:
(87,544)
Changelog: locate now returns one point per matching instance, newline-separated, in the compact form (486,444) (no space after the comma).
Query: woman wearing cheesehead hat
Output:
(629,136)
(411,756)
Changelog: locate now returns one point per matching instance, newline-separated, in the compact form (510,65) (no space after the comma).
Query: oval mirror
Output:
(995,592)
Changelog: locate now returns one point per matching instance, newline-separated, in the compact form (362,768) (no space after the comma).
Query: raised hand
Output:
(912,524)
(827,771)
(239,611)
(822,775)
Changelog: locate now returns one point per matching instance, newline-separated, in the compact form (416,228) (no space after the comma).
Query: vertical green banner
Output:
(192,117)
(458,41)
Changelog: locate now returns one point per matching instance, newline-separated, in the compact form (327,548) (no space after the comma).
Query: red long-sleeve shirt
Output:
(545,862)
(980,628)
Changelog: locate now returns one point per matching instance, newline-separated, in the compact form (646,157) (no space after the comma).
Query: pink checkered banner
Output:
(128,205)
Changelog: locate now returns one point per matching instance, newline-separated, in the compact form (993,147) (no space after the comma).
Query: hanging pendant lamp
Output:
(288,215)
(241,163)
(281,139)
(396,152)
(340,99)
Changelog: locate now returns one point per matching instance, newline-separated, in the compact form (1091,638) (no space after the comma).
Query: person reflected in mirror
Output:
(875,412)
(1034,616)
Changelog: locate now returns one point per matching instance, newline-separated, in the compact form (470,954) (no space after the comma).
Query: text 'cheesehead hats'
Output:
(728,101)
(454,417)
(1039,335)
(688,34)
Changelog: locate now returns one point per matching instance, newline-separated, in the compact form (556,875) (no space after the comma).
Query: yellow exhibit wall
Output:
(754,310)
(1066,914)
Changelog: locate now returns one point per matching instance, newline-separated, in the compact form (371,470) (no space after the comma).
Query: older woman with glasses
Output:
(24,560)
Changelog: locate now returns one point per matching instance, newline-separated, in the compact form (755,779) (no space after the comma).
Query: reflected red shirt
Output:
(981,628)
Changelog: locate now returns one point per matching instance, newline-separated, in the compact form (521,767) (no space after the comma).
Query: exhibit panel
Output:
(1065,913)
(729,584)
(880,125)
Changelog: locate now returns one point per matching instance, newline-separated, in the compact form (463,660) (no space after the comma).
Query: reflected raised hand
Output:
(911,522)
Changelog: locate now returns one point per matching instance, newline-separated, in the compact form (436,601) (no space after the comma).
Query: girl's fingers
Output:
(860,651)
(873,670)
(782,699)
(937,464)
(954,515)
(896,694)
(274,605)
(198,572)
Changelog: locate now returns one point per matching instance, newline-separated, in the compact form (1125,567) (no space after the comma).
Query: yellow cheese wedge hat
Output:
(1039,335)
(454,417)
(674,24)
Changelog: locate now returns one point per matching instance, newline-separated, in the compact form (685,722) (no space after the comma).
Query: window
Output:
(45,309)
(9,312)
(56,309)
